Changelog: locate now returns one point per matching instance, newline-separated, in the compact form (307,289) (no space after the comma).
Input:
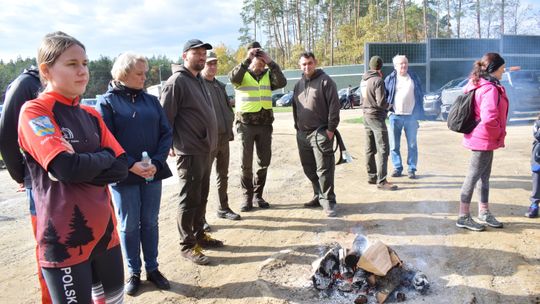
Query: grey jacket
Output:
(190,112)
(316,103)
(224,111)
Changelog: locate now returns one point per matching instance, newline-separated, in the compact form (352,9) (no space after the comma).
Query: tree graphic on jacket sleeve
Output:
(54,250)
(80,233)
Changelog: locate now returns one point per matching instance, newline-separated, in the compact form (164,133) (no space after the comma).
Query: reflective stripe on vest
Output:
(251,96)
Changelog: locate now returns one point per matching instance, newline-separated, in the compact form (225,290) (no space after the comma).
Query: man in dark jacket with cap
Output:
(253,85)
(225,118)
(316,117)
(190,112)
(375,109)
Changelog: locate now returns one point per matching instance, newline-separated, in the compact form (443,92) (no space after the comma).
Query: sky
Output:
(110,27)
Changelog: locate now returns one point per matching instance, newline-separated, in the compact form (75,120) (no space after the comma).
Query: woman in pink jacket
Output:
(491,110)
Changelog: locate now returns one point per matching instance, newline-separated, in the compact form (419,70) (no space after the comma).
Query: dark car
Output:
(449,95)
(345,99)
(432,101)
(275,97)
(523,90)
(285,100)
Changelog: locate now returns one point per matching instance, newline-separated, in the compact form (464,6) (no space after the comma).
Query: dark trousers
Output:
(194,178)
(260,137)
(376,144)
(221,156)
(535,194)
(318,161)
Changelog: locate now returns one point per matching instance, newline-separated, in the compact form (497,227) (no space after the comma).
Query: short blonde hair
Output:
(124,63)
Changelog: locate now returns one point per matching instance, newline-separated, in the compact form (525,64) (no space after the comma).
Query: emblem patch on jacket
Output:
(42,126)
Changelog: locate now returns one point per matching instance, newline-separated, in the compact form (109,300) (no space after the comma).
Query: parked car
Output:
(355,96)
(523,90)
(275,97)
(285,100)
(89,102)
(449,95)
(432,101)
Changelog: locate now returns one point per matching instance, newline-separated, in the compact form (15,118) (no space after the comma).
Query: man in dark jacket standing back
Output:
(316,117)
(405,95)
(190,112)
(375,109)
(225,118)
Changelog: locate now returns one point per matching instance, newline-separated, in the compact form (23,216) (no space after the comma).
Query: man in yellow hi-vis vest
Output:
(253,86)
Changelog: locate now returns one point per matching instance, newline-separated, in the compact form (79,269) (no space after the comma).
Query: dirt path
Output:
(268,254)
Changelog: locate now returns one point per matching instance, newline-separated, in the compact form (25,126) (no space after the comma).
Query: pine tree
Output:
(54,250)
(80,233)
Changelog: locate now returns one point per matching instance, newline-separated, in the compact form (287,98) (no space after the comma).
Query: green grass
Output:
(282,109)
(358,120)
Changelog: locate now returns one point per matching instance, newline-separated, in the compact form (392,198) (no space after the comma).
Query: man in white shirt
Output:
(405,95)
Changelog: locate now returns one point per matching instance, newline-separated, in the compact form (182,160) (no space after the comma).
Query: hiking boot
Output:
(396,173)
(228,214)
(206,227)
(466,221)
(372,181)
(314,203)
(133,284)
(262,203)
(387,186)
(489,219)
(195,255)
(158,279)
(532,212)
(208,242)
(412,175)
(246,206)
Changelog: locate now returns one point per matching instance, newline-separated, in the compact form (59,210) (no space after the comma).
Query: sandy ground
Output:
(268,254)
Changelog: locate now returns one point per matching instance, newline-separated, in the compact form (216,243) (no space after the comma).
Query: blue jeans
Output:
(410,124)
(137,210)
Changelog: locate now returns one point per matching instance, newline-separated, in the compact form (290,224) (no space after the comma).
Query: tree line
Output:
(336,30)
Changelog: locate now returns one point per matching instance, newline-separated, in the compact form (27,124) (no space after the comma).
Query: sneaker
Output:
(228,214)
(396,173)
(532,212)
(314,203)
(208,242)
(372,181)
(245,207)
(262,203)
(133,284)
(489,219)
(195,255)
(387,186)
(158,279)
(467,222)
(412,175)
(206,227)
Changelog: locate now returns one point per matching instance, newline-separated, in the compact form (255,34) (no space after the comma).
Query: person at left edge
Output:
(137,121)
(24,88)
(71,157)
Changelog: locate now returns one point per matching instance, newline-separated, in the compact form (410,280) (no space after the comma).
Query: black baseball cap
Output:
(196,43)
(254,45)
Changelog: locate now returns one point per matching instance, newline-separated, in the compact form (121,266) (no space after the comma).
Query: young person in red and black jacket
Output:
(71,157)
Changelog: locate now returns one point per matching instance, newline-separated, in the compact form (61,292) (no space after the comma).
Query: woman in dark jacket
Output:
(139,124)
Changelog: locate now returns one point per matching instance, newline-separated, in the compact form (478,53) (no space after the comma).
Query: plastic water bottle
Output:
(147,162)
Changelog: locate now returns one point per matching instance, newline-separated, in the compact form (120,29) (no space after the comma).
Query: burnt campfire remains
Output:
(371,274)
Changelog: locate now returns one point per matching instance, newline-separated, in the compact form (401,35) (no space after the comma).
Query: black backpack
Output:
(461,115)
